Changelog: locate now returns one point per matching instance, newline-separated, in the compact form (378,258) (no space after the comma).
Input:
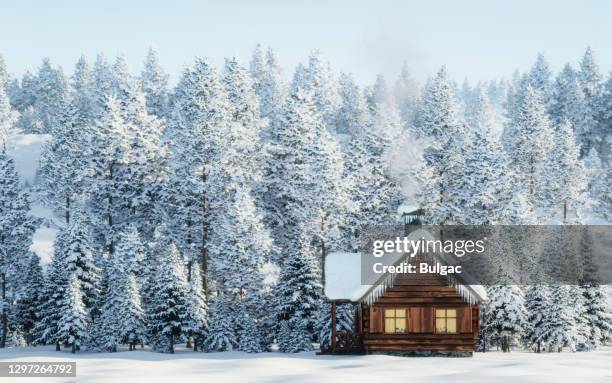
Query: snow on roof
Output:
(343,277)
(406,208)
(343,281)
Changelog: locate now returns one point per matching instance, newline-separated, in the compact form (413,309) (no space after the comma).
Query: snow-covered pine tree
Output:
(235,261)
(62,173)
(30,302)
(319,80)
(73,321)
(567,175)
(8,117)
(529,146)
(168,311)
(300,291)
(16,230)
(155,85)
(122,317)
(506,309)
(567,102)
(536,303)
(78,259)
(198,129)
(257,68)
(598,318)
(221,330)
(406,93)
(436,121)
(51,90)
(55,284)
(102,84)
(197,310)
(591,81)
(249,336)
(559,327)
(539,79)
(82,93)
(605,121)
(305,186)
(272,91)
(598,184)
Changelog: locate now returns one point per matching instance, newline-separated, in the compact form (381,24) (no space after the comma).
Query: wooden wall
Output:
(420,295)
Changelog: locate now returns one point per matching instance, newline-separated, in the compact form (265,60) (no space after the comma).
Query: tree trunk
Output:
(57,346)
(73,348)
(4,316)
(171,343)
(111,247)
(205,229)
(323,251)
(564,212)
(67,210)
(188,344)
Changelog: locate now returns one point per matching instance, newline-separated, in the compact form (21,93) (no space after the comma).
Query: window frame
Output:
(446,318)
(395,318)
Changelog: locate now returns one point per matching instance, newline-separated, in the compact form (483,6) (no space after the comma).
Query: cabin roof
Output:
(343,281)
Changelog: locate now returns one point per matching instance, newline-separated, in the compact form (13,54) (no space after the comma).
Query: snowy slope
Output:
(189,366)
(25,149)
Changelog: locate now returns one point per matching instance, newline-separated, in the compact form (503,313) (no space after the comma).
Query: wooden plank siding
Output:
(420,296)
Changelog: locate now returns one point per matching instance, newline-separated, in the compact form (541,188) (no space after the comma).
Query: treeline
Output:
(202,214)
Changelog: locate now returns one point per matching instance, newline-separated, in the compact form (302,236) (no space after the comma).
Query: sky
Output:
(477,40)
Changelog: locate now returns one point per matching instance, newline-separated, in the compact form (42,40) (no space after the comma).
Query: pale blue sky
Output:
(476,39)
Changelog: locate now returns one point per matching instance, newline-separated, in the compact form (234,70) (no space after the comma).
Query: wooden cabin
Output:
(402,313)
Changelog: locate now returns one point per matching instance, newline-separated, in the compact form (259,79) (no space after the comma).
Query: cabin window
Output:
(446,321)
(395,321)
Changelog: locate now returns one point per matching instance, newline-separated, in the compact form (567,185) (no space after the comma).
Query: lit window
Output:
(395,320)
(446,320)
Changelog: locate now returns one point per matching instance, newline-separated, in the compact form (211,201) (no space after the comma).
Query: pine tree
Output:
(73,320)
(567,101)
(78,260)
(82,94)
(155,85)
(8,117)
(304,185)
(122,316)
(30,303)
(567,173)
(221,335)
(61,184)
(199,127)
(51,90)
(591,81)
(197,310)
(539,79)
(598,318)
(56,281)
(16,230)
(558,327)
(102,85)
(168,312)
(597,183)
(530,145)
(320,82)
(249,336)
(271,89)
(436,121)
(406,93)
(506,311)
(299,290)
(536,302)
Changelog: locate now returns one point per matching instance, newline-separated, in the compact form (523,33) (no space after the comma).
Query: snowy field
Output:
(187,366)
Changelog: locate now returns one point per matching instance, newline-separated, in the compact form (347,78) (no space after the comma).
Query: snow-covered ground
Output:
(187,366)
